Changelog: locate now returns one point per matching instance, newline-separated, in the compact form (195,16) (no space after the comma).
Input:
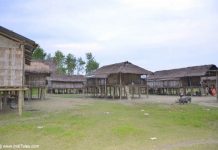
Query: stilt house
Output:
(120,80)
(64,84)
(15,51)
(36,76)
(189,81)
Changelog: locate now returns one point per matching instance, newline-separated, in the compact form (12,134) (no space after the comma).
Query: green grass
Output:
(108,125)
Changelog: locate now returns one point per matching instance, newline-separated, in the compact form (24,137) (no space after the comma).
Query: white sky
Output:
(154,34)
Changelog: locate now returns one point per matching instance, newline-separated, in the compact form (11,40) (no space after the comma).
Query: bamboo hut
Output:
(36,74)
(120,80)
(66,84)
(188,81)
(15,51)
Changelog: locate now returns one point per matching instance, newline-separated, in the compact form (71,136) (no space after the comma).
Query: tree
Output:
(80,65)
(91,63)
(48,57)
(39,54)
(59,60)
(70,64)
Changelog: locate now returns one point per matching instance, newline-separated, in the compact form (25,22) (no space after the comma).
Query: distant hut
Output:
(117,81)
(66,84)
(15,51)
(188,81)
(36,75)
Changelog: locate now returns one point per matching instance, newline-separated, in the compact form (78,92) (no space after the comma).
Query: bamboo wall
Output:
(127,79)
(64,85)
(11,63)
(191,81)
(164,84)
(95,81)
(36,80)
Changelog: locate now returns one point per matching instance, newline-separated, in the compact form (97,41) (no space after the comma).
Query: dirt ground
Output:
(204,100)
(58,103)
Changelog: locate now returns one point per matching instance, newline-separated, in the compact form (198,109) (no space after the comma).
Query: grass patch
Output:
(111,125)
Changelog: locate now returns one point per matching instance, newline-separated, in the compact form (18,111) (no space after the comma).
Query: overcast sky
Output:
(154,34)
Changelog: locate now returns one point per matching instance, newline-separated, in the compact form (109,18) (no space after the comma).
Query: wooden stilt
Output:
(38,93)
(113,92)
(217,85)
(20,102)
(4,98)
(139,91)
(146,86)
(1,103)
(29,91)
(45,92)
(105,87)
(120,87)
(132,91)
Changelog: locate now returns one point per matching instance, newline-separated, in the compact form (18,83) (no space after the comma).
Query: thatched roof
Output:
(67,78)
(29,45)
(174,74)
(37,67)
(123,67)
(52,65)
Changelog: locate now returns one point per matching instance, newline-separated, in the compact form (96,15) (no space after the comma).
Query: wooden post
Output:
(4,98)
(105,87)
(29,94)
(120,87)
(217,85)
(20,102)
(113,92)
(45,92)
(146,86)
(190,84)
(132,91)
(1,103)
(139,91)
(38,93)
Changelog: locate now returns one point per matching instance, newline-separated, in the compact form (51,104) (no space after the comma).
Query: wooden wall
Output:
(164,84)
(64,85)
(95,81)
(36,80)
(190,81)
(11,63)
(127,79)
